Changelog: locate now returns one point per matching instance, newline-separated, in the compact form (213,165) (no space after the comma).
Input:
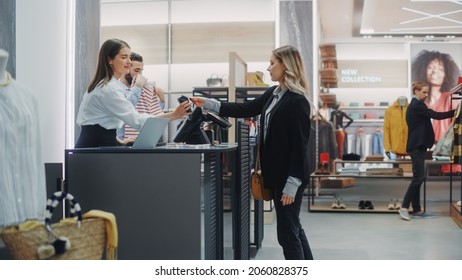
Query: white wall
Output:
(371,51)
(41,65)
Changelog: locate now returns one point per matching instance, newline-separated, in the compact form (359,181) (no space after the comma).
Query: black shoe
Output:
(368,205)
(361,205)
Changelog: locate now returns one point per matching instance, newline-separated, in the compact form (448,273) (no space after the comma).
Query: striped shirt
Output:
(148,103)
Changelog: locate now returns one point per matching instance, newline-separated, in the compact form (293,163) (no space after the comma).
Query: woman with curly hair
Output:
(441,73)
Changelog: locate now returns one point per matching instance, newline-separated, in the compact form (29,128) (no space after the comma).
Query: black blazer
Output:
(285,151)
(420,129)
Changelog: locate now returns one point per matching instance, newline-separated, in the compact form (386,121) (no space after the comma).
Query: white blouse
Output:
(22,172)
(107,106)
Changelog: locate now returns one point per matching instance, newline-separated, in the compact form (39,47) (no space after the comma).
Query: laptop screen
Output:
(150,133)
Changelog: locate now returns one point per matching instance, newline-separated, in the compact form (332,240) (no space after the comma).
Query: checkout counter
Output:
(164,209)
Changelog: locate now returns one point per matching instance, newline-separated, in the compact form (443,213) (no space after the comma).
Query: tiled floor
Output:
(360,236)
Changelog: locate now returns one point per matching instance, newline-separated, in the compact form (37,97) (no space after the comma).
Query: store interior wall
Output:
(7,38)
(199,42)
(41,65)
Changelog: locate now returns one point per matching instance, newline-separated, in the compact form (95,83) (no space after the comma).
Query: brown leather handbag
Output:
(259,192)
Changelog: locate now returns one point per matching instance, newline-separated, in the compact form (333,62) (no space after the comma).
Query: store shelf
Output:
(351,208)
(314,205)
(392,163)
(377,111)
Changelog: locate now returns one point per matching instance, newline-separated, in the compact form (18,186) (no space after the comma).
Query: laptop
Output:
(150,133)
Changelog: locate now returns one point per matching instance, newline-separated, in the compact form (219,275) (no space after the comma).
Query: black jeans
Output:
(418,175)
(291,235)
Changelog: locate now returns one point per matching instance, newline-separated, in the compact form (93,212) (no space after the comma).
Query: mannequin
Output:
(336,117)
(3,60)
(402,101)
(324,111)
(395,128)
(22,172)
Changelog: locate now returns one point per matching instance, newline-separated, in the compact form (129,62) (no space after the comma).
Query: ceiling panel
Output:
(353,19)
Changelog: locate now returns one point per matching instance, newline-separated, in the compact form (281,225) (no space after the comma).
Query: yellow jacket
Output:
(395,129)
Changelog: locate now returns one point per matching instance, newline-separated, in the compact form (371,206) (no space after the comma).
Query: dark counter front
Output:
(156,196)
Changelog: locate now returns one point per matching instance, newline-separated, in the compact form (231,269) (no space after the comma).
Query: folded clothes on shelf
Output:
(394,171)
(350,170)
(336,182)
(351,156)
(374,158)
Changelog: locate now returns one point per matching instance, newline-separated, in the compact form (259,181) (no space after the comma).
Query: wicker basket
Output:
(87,236)
(87,242)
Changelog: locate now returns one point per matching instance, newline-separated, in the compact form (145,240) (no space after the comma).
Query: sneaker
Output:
(422,215)
(341,205)
(459,203)
(334,204)
(404,214)
(391,205)
(397,205)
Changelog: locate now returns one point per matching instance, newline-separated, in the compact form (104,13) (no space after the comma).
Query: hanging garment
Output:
(22,172)
(443,104)
(395,128)
(326,141)
(457,143)
(377,143)
(444,146)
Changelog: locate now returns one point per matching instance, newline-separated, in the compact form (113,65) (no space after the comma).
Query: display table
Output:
(406,164)
(314,192)
(337,164)
(164,209)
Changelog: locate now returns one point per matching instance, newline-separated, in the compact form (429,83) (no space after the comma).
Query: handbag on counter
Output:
(259,192)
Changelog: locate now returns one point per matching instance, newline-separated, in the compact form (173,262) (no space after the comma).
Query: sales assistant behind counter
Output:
(104,107)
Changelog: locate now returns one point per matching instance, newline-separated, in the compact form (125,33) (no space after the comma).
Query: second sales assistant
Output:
(104,107)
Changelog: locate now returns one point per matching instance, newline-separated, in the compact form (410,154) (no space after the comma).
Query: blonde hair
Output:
(418,85)
(295,77)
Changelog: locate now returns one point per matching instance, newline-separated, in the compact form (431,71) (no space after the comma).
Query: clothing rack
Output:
(456,94)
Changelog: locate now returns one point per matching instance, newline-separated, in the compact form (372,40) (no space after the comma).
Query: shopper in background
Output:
(420,138)
(441,73)
(285,127)
(104,107)
(145,98)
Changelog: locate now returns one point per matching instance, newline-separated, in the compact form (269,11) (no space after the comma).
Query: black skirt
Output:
(93,136)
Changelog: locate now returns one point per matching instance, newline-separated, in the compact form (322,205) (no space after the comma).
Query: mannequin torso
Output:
(22,184)
(3,61)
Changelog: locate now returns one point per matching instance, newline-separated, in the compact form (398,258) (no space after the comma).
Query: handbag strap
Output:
(54,200)
(257,158)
